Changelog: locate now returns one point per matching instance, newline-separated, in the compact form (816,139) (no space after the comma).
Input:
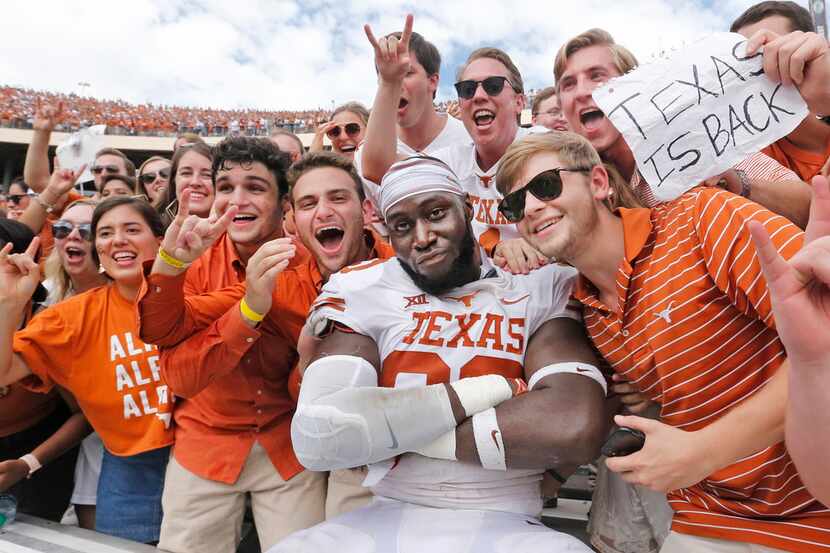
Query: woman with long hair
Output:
(191,169)
(154,178)
(89,345)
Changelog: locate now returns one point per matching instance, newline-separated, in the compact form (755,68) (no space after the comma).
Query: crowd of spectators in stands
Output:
(17,109)
(430,326)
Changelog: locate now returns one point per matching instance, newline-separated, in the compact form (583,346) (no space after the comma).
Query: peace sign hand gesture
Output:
(392,58)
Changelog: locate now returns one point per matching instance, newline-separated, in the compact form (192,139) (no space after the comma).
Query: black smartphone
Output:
(623,441)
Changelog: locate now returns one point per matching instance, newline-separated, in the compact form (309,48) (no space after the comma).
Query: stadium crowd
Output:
(409,342)
(18,106)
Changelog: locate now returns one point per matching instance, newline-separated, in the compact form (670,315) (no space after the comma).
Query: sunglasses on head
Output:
(17,198)
(61,229)
(491,85)
(545,186)
(351,129)
(150,176)
(98,169)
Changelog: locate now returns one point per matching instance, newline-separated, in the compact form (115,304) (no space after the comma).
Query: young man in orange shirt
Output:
(806,150)
(674,300)
(221,347)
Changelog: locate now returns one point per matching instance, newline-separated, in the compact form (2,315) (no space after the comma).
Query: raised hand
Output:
(454,109)
(19,275)
(798,58)
(391,54)
(261,274)
(189,236)
(60,183)
(800,288)
(47,116)
(320,135)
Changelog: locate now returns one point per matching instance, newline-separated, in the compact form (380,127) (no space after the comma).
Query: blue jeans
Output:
(129,495)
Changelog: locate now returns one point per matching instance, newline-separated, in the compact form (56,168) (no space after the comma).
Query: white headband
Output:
(416,175)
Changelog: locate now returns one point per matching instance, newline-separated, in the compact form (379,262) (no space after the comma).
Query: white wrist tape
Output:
(480,393)
(344,420)
(442,448)
(582,369)
(489,442)
(33,462)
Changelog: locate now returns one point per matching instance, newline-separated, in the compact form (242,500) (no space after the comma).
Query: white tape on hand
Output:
(489,442)
(480,393)
(442,448)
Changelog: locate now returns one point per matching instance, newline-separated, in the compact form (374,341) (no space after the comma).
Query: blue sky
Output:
(294,54)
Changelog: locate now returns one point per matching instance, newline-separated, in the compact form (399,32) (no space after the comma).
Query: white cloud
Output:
(293,54)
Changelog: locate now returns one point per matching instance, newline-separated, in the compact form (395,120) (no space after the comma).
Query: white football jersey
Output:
(489,225)
(480,328)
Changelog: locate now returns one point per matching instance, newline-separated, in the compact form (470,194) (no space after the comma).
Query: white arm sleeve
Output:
(344,419)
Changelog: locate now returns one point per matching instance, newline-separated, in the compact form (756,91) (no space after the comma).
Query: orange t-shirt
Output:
(806,164)
(89,344)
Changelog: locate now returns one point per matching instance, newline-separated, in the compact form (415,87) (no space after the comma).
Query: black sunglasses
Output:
(491,85)
(98,169)
(150,176)
(17,198)
(351,129)
(545,186)
(61,229)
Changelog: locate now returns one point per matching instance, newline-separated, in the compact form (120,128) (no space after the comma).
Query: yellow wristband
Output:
(172,261)
(249,313)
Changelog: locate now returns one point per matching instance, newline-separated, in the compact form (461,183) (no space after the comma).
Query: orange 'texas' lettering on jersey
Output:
(467,300)
(420,317)
(468,330)
(437,372)
(486,211)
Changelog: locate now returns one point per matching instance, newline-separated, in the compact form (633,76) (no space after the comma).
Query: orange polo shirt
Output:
(697,335)
(89,344)
(806,164)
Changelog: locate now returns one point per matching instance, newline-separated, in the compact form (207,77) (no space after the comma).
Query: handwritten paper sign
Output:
(698,112)
(80,149)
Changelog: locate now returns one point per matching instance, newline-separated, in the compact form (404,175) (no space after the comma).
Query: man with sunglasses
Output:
(491,98)
(403,119)
(592,59)
(419,373)
(673,298)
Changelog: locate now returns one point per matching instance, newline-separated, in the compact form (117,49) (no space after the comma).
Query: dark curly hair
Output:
(246,150)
